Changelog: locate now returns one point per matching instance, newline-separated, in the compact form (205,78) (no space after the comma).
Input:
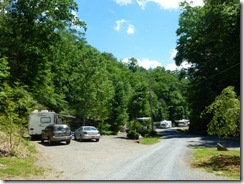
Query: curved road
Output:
(116,158)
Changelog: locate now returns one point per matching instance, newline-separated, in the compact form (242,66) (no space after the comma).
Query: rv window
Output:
(45,119)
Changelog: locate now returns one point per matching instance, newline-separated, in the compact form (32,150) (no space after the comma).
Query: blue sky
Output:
(143,29)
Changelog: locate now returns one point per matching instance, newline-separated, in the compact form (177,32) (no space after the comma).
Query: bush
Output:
(152,133)
(132,134)
(144,132)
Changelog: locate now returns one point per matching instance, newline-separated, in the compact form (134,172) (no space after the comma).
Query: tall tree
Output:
(209,39)
(91,89)
(29,30)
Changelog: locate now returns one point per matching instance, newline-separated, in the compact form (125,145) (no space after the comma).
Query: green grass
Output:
(149,140)
(222,163)
(12,167)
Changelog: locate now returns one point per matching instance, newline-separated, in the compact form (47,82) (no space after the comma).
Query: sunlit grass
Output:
(12,167)
(149,140)
(223,163)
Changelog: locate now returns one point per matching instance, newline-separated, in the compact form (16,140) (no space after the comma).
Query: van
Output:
(56,133)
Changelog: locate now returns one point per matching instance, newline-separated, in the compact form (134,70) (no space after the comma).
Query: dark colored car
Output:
(56,133)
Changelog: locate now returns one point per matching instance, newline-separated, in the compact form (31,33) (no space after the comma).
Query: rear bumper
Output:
(63,138)
(91,137)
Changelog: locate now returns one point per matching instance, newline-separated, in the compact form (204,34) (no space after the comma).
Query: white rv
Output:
(183,123)
(38,120)
(165,124)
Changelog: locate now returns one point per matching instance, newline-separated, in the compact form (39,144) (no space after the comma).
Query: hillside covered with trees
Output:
(46,63)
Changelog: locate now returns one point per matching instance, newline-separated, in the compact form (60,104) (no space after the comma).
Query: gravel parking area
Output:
(117,158)
(80,160)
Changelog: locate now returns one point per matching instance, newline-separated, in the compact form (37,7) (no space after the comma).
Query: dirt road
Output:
(116,158)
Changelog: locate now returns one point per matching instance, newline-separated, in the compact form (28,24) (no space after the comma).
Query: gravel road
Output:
(116,158)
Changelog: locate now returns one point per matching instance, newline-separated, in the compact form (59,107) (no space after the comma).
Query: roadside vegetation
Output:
(46,63)
(17,159)
(221,163)
(149,140)
(14,168)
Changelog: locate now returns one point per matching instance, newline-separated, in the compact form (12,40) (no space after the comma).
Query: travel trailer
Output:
(165,124)
(38,120)
(182,123)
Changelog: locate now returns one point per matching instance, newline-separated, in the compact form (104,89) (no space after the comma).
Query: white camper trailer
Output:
(182,123)
(38,120)
(165,124)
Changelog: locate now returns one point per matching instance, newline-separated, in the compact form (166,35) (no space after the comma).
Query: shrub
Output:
(132,134)
(144,132)
(152,133)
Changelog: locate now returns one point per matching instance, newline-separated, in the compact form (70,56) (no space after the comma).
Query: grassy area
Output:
(222,163)
(149,140)
(13,167)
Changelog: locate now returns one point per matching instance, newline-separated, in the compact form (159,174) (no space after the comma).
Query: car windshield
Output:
(89,128)
(61,128)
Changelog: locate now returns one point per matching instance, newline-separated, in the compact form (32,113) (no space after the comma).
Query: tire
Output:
(50,141)
(68,142)
(97,140)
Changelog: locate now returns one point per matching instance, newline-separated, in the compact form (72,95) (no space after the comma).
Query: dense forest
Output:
(46,63)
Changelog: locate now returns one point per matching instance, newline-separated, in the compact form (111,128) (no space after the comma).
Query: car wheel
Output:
(97,140)
(49,141)
(68,142)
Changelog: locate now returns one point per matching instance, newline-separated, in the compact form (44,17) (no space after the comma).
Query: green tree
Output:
(170,92)
(225,111)
(91,89)
(139,105)
(119,115)
(29,32)
(209,39)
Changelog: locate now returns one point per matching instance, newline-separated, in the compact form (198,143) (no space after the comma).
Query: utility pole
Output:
(151,96)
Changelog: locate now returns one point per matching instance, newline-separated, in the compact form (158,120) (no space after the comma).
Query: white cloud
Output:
(123,2)
(111,11)
(130,29)
(145,63)
(173,54)
(173,66)
(119,24)
(168,4)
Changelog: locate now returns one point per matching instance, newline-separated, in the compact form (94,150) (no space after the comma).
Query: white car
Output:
(87,132)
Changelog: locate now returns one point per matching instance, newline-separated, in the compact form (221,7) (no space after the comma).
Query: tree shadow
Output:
(199,140)
(46,144)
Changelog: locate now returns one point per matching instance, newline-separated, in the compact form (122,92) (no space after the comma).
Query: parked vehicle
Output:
(165,124)
(39,120)
(183,123)
(56,133)
(87,132)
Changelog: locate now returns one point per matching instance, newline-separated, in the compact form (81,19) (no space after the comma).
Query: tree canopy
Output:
(47,63)
(225,111)
(209,40)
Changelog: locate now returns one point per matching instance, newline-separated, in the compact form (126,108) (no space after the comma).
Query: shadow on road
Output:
(46,144)
(199,140)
